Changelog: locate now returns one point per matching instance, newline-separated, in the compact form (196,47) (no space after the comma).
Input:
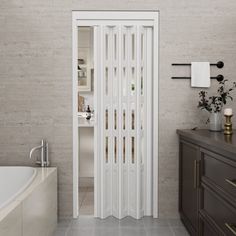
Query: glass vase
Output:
(215,123)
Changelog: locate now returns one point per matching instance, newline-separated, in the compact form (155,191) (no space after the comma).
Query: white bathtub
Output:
(28,201)
(13,181)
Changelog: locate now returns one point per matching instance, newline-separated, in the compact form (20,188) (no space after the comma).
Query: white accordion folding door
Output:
(124,56)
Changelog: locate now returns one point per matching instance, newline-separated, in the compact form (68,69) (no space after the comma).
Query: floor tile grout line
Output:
(67,230)
(173,232)
(171,228)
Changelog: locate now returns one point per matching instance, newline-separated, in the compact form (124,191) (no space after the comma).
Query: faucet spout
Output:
(34,149)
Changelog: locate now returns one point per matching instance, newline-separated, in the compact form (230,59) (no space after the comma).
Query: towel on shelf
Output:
(200,74)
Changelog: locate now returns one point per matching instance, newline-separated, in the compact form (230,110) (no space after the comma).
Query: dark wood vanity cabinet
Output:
(207,182)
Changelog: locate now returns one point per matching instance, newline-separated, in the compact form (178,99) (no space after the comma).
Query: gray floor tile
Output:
(84,222)
(132,232)
(131,223)
(147,226)
(91,222)
(160,231)
(60,232)
(175,223)
(86,201)
(81,232)
(180,231)
(110,222)
(107,232)
(93,232)
(64,223)
(150,222)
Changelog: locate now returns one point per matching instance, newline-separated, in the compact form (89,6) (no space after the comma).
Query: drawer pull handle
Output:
(231,182)
(231,228)
(195,174)
(198,173)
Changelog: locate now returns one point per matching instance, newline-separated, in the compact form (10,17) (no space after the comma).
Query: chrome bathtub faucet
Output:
(44,160)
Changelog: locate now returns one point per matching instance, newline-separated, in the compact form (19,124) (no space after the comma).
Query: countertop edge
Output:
(207,142)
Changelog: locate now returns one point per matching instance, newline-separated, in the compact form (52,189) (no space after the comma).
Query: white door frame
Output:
(83,17)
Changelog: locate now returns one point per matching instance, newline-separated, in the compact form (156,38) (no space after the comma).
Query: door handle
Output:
(195,174)
(198,174)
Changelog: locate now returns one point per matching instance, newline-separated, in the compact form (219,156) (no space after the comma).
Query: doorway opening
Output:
(86,119)
(86,174)
(115,113)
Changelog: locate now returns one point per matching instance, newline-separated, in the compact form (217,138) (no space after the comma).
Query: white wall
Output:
(86,150)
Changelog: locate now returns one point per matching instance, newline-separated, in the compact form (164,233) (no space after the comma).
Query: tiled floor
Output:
(86,201)
(147,226)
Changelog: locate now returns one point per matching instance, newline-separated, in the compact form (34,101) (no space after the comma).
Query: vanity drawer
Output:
(222,173)
(220,212)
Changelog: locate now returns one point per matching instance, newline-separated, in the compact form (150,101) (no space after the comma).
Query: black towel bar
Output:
(219,64)
(218,77)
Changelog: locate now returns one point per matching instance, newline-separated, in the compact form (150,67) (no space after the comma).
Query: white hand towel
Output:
(200,74)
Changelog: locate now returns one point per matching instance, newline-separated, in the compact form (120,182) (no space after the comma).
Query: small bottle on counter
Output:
(88,113)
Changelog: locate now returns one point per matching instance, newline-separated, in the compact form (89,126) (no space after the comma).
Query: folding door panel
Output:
(125,112)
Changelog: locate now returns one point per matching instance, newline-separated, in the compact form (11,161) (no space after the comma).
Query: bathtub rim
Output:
(42,173)
(24,187)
